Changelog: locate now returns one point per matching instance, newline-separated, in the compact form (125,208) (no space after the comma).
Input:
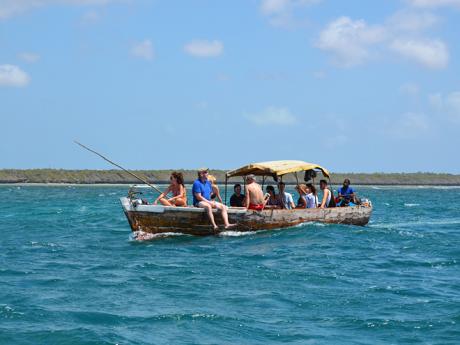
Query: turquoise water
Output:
(71,274)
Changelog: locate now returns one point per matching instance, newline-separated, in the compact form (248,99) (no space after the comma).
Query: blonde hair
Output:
(212,179)
(302,187)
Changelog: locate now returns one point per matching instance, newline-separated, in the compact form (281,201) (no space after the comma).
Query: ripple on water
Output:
(71,271)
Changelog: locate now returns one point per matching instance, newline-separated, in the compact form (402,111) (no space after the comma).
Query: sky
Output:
(355,86)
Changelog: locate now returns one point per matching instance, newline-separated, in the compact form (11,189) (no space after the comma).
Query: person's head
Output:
(312,188)
(203,173)
(212,179)
(346,182)
(270,190)
(237,189)
(323,184)
(176,178)
(250,178)
(301,189)
(282,186)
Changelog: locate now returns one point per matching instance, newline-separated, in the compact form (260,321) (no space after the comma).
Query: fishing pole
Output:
(119,166)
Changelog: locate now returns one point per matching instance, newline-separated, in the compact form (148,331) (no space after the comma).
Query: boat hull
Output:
(191,220)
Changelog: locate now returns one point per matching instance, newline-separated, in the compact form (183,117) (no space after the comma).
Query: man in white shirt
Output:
(286,198)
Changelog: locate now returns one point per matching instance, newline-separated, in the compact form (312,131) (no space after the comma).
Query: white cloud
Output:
(281,12)
(349,40)
(429,53)
(411,21)
(434,3)
(90,17)
(353,42)
(204,48)
(273,116)
(410,89)
(29,57)
(143,50)
(447,105)
(275,7)
(411,125)
(9,8)
(11,75)
(223,76)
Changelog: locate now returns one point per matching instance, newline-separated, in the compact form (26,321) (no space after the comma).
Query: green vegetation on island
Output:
(162,176)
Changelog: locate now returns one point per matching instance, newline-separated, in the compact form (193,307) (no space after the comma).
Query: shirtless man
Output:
(254,195)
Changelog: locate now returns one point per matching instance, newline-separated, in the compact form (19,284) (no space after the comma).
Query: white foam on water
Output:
(415,223)
(146,236)
(411,205)
(233,233)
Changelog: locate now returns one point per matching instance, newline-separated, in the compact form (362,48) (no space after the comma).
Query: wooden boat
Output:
(191,220)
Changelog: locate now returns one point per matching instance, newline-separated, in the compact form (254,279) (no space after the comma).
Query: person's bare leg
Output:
(223,209)
(165,202)
(180,202)
(208,209)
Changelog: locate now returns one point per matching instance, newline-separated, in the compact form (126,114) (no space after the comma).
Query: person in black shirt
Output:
(237,198)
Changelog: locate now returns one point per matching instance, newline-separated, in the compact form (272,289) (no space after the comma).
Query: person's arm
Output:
(325,196)
(266,198)
(246,197)
(162,195)
(217,192)
(181,194)
(199,197)
(291,201)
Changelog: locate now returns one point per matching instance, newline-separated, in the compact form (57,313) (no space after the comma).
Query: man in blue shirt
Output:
(202,190)
(346,194)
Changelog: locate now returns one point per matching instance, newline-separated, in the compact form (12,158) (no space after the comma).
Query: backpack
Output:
(332,201)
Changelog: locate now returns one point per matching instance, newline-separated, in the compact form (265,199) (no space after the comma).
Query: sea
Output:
(72,273)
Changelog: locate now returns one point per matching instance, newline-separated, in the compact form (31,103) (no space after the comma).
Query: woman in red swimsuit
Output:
(177,188)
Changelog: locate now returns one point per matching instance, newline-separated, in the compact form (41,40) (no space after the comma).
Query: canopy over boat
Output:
(276,168)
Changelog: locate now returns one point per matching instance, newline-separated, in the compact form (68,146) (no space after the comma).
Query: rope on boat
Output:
(119,166)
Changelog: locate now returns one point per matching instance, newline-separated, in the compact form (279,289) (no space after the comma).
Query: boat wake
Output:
(232,233)
(146,236)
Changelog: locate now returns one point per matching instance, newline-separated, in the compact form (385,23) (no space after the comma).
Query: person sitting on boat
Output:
(215,189)
(346,194)
(311,197)
(314,194)
(237,199)
(254,196)
(271,199)
(201,191)
(285,197)
(328,198)
(177,188)
(302,190)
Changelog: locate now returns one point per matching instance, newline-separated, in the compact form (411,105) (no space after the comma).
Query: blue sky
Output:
(356,86)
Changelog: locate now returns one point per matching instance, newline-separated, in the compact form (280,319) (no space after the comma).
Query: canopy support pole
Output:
(297,178)
(225,193)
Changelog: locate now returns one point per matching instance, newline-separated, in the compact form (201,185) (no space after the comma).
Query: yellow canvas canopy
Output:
(276,168)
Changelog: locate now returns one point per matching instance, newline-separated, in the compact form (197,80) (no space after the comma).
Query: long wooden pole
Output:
(119,166)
